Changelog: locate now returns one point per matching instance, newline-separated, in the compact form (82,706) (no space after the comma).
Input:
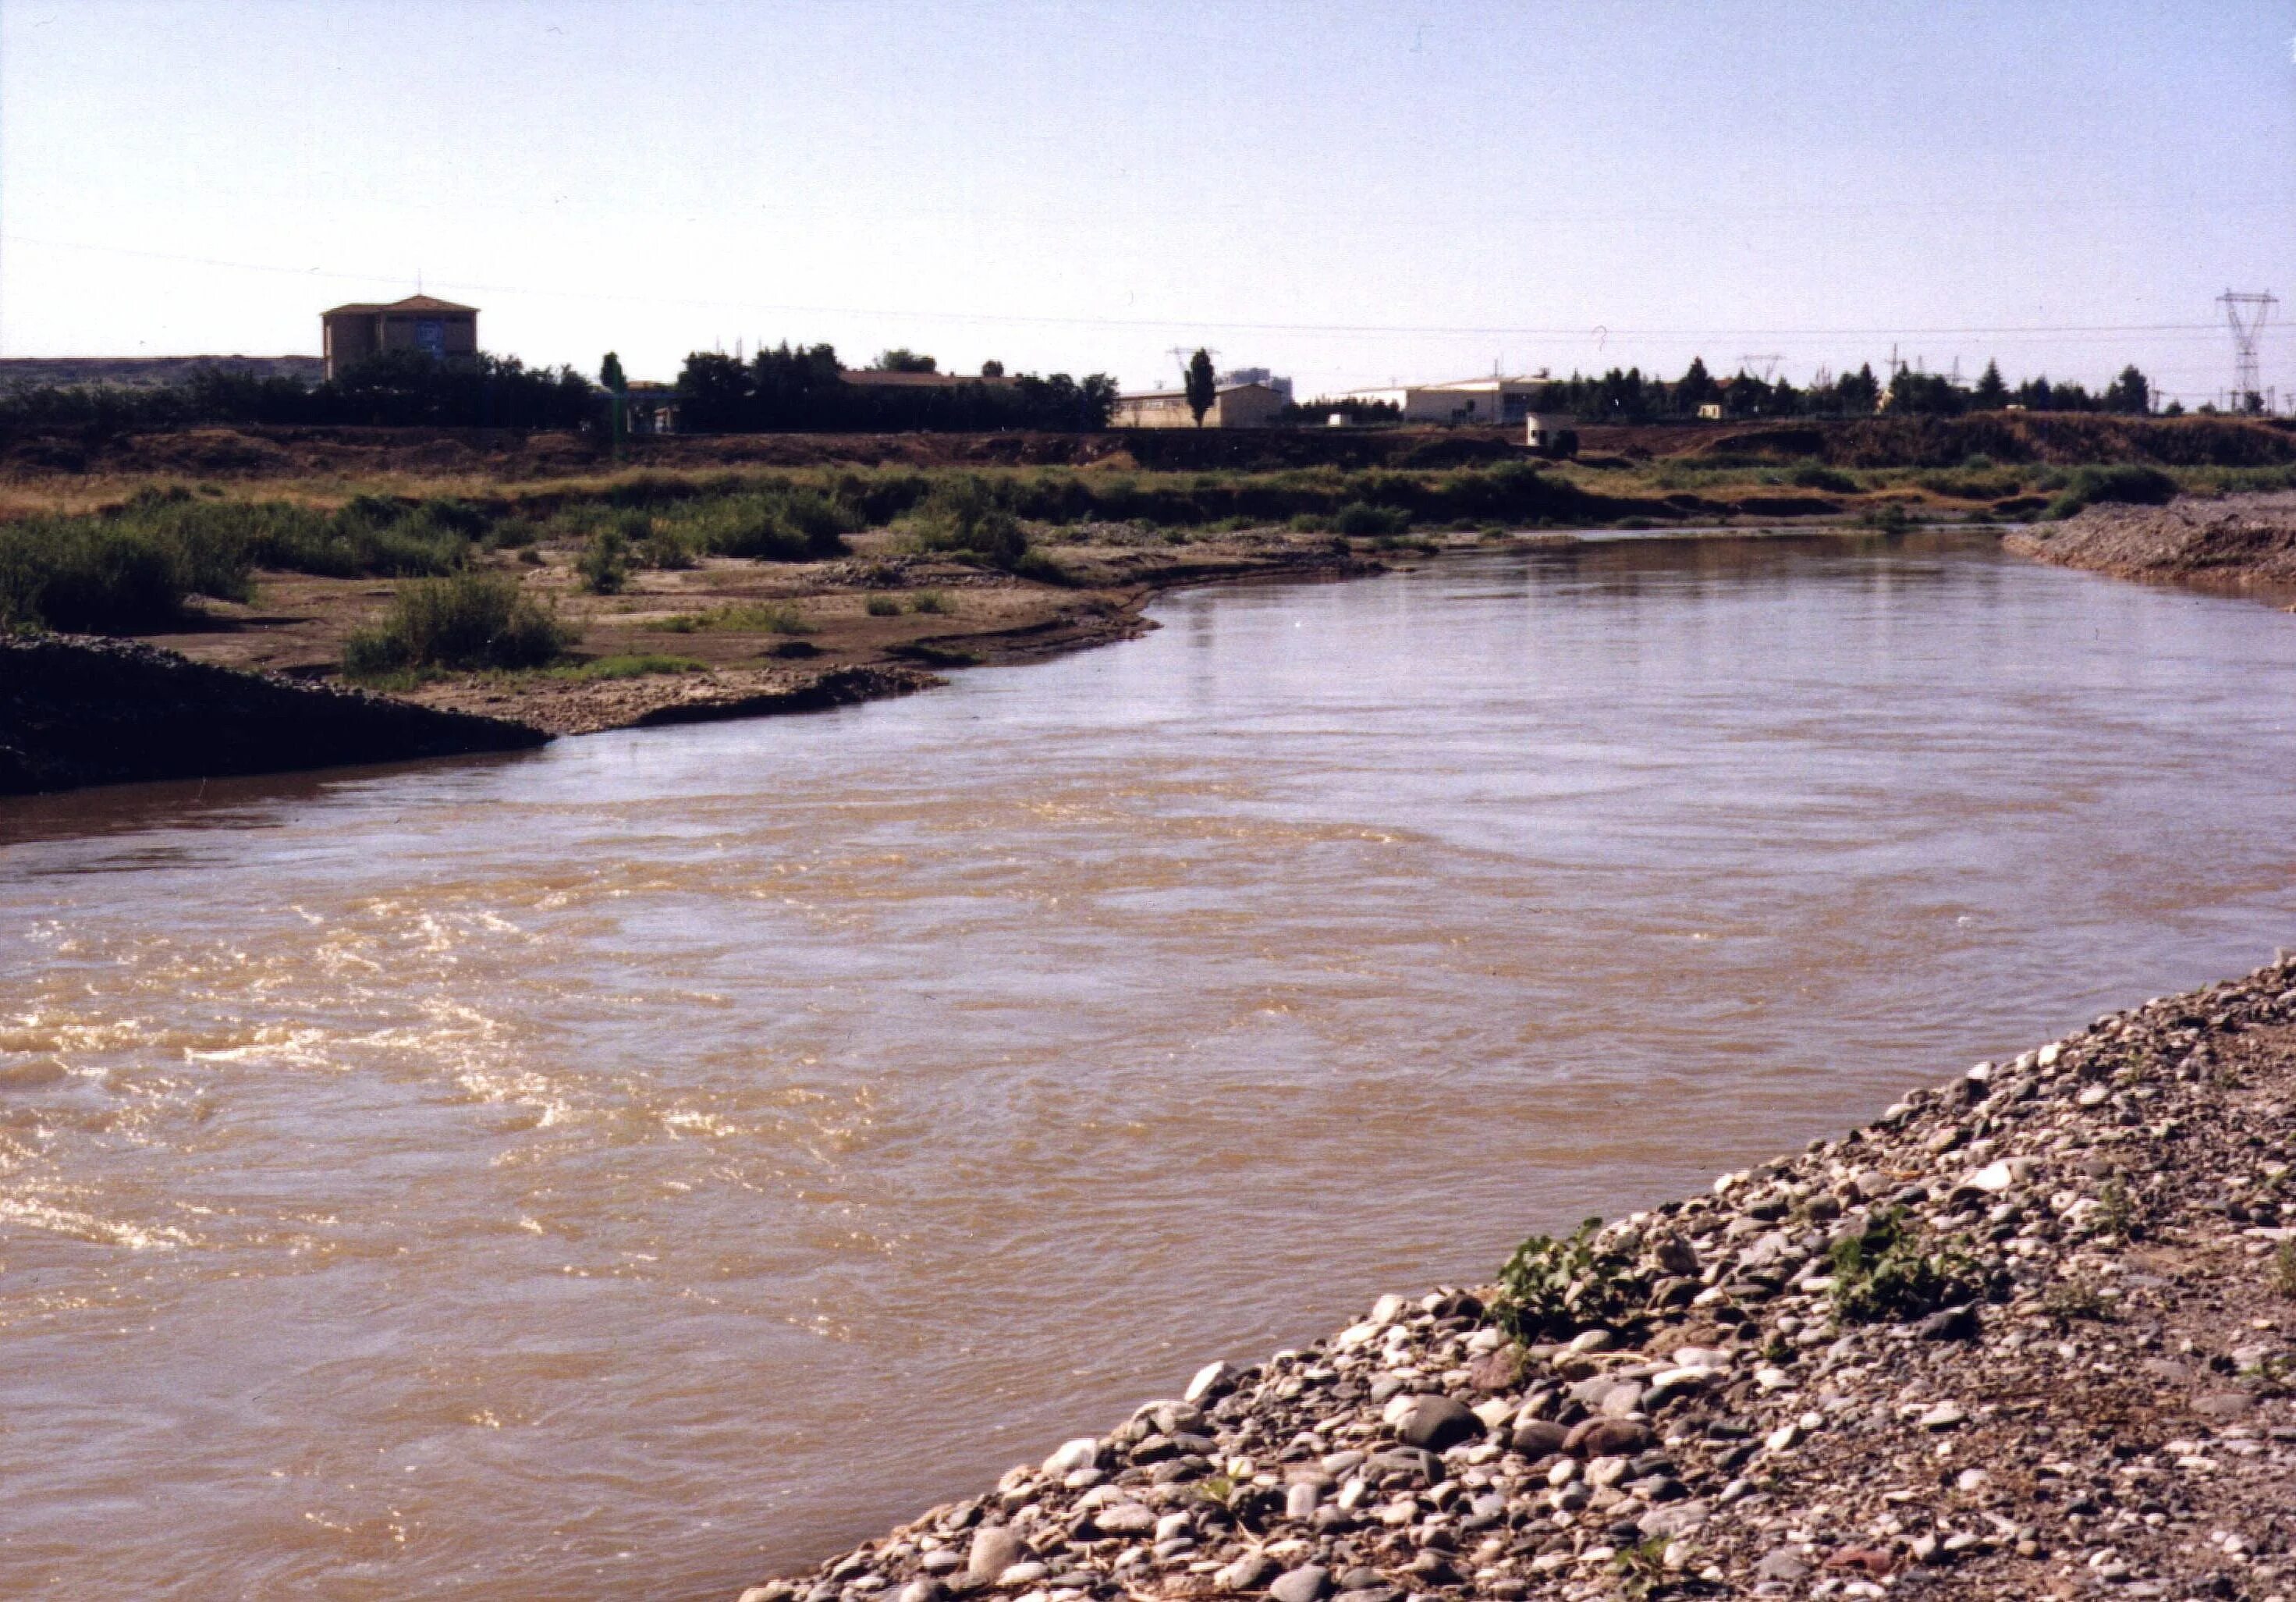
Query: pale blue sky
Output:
(1347,192)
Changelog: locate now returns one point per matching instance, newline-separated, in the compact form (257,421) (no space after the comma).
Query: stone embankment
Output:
(2233,542)
(2026,1334)
(76,712)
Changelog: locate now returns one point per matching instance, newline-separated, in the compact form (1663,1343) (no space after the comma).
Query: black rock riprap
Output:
(2024,1335)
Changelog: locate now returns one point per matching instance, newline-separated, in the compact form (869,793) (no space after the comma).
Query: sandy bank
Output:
(76,711)
(2025,1335)
(728,638)
(2241,542)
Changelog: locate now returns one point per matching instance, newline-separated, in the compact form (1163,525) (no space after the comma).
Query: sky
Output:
(1351,194)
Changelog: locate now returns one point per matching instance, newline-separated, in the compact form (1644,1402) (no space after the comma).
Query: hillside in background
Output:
(146,372)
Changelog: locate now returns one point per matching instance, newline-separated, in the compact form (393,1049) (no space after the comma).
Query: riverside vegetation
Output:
(2026,1334)
(575,602)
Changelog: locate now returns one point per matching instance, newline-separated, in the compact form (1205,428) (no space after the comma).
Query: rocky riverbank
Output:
(2244,542)
(76,711)
(2025,1335)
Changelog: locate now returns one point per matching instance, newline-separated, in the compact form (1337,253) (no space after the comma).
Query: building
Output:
(1546,431)
(650,407)
(1257,375)
(1233,405)
(880,378)
(438,328)
(1494,400)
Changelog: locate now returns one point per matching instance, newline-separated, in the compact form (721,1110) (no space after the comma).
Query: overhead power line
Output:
(1038,319)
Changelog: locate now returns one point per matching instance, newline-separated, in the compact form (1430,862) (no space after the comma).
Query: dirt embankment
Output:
(76,712)
(2238,542)
(2024,1335)
(224,453)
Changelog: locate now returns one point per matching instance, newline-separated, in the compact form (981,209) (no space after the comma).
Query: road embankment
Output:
(76,711)
(2026,1333)
(2241,542)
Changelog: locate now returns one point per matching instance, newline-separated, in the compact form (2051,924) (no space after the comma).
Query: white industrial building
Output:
(1488,400)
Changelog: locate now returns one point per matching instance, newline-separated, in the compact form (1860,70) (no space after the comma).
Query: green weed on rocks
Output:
(1882,1274)
(1552,1286)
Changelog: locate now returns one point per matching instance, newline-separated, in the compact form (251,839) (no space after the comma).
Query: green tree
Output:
(1200,389)
(610,374)
(900,359)
(1696,389)
(1859,392)
(992,369)
(2131,392)
(1991,394)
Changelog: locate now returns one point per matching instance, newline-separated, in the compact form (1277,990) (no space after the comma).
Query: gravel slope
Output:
(2071,1376)
(2241,541)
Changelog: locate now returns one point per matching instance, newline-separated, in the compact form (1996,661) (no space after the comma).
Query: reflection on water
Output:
(635,1165)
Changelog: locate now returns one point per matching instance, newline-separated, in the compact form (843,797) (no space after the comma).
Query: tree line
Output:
(801,389)
(792,389)
(1630,395)
(400,389)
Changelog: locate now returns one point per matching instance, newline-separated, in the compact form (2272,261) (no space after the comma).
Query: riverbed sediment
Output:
(2025,1334)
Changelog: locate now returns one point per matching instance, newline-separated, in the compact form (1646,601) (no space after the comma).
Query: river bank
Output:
(79,712)
(2026,1334)
(2242,543)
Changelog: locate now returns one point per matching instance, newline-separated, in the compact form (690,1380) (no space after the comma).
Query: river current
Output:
(627,1168)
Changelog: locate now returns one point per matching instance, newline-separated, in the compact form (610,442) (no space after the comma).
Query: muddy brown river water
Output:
(620,1170)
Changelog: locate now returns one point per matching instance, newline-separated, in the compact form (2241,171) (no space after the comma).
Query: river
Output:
(623,1169)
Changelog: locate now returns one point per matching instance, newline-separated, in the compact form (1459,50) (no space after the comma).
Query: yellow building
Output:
(1233,405)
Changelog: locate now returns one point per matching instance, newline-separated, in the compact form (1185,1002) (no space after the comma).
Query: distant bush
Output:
(881,606)
(2124,482)
(1813,476)
(1361,520)
(604,563)
(964,516)
(469,621)
(930,601)
(780,523)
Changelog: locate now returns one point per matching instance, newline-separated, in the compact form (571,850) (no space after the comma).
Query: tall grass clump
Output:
(781,523)
(98,578)
(472,620)
(965,516)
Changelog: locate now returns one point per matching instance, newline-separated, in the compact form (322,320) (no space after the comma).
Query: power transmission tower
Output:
(2246,315)
(1769,364)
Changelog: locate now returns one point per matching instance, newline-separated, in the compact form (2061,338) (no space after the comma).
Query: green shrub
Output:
(772,617)
(1036,565)
(1882,1273)
(85,575)
(605,562)
(1360,520)
(2127,483)
(1553,1288)
(1814,476)
(473,619)
(930,601)
(963,515)
(780,523)
(881,606)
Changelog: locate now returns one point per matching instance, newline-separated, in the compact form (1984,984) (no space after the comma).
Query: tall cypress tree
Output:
(1201,391)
